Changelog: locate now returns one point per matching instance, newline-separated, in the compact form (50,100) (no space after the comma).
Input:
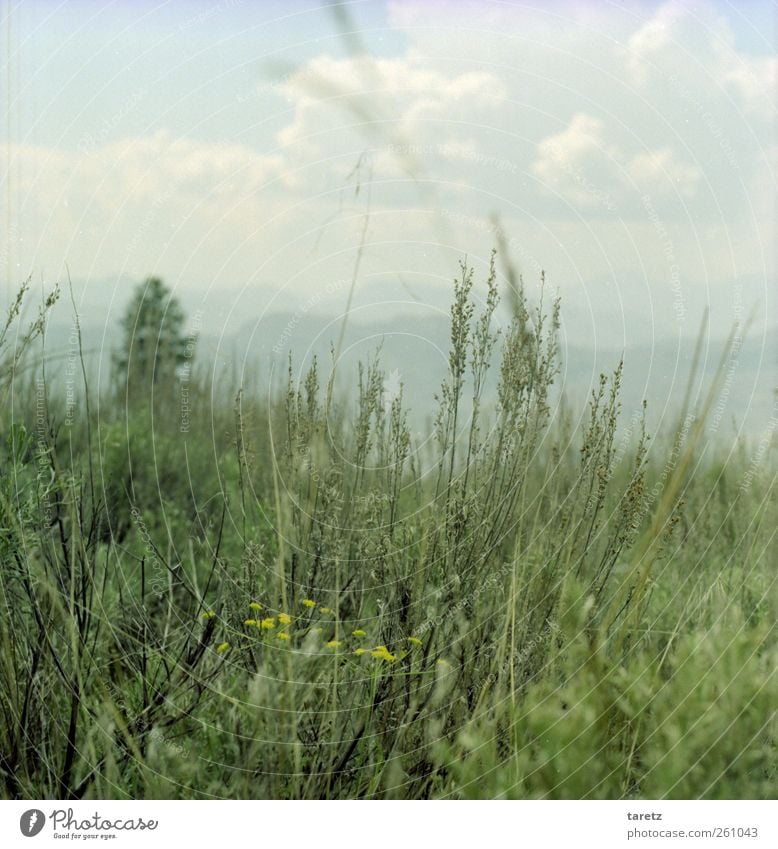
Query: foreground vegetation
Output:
(209,594)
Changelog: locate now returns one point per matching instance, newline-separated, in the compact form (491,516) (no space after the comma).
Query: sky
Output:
(258,153)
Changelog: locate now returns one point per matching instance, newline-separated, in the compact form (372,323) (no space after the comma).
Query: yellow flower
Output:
(284,618)
(209,614)
(255,605)
(249,621)
(359,633)
(307,602)
(267,624)
(222,647)
(333,644)
(359,652)
(414,641)
(282,635)
(444,663)
(326,610)
(383,653)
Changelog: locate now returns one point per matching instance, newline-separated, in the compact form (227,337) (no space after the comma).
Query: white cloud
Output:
(140,170)
(653,38)
(582,139)
(661,172)
(343,105)
(122,205)
(754,82)
(697,46)
(578,163)
(586,168)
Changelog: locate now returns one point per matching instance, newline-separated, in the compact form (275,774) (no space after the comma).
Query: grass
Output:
(297,598)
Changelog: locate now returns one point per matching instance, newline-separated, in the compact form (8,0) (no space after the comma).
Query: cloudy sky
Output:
(243,151)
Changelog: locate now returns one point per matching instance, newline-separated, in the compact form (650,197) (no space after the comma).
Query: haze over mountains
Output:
(247,338)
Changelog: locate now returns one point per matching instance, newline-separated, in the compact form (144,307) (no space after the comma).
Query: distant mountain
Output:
(413,339)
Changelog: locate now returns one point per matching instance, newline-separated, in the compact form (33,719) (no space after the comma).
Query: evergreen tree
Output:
(154,345)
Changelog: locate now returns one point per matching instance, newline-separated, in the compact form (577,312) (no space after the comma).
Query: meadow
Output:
(214,592)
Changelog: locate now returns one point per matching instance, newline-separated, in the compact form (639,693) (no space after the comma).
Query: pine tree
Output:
(154,345)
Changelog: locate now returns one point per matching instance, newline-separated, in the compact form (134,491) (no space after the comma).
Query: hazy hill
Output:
(252,343)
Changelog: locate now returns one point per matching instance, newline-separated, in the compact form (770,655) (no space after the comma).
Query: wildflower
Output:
(267,624)
(309,603)
(282,635)
(284,618)
(327,611)
(359,633)
(359,652)
(249,621)
(333,644)
(209,614)
(383,653)
(444,663)
(414,641)
(222,647)
(255,605)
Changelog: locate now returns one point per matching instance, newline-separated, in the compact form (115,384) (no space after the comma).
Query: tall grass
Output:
(297,598)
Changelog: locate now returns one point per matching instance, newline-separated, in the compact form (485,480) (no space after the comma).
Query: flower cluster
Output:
(383,653)
(333,642)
